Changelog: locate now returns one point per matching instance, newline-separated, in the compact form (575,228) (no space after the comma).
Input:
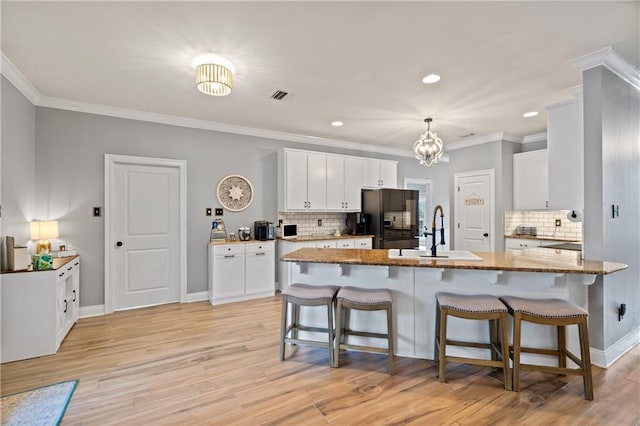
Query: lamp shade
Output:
(42,230)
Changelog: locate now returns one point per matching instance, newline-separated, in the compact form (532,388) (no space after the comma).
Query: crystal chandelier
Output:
(428,149)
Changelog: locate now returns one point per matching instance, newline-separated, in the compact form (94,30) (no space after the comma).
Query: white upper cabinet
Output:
(344,181)
(380,174)
(530,180)
(302,180)
(565,143)
(312,181)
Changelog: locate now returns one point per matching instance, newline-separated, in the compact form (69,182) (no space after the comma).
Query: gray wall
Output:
(612,176)
(17,181)
(496,155)
(69,155)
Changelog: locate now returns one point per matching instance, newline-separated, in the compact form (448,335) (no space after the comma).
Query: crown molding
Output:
(64,104)
(495,137)
(538,137)
(610,59)
(13,74)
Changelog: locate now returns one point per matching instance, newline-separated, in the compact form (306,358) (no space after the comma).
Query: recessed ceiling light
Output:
(431,78)
(337,123)
(530,114)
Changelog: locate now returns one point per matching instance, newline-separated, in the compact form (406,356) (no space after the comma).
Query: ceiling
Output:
(358,62)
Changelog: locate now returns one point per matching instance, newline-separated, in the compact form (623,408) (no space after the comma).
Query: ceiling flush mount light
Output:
(530,114)
(337,123)
(214,75)
(431,78)
(428,149)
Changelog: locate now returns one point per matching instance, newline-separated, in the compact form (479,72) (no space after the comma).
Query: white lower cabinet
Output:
(241,271)
(38,309)
(514,244)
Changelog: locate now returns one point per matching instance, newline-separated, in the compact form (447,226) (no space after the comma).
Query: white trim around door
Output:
(457,206)
(110,163)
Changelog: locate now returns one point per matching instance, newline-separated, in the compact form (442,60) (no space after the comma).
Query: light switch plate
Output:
(208,211)
(97,211)
(218,211)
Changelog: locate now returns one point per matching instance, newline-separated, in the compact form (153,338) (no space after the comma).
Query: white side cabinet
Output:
(241,271)
(565,144)
(38,309)
(531,180)
(515,244)
(380,174)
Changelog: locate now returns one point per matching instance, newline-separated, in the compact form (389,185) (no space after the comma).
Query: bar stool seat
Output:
(554,312)
(475,307)
(363,299)
(299,295)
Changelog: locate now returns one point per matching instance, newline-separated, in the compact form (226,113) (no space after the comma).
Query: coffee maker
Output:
(263,230)
(358,223)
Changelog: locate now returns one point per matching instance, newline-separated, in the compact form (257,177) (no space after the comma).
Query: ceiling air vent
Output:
(278,95)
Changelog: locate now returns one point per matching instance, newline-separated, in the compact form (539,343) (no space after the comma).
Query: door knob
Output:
(119,244)
(485,234)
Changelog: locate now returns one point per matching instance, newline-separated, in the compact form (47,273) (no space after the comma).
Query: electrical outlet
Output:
(558,222)
(208,211)
(218,211)
(615,211)
(319,222)
(97,212)
(279,222)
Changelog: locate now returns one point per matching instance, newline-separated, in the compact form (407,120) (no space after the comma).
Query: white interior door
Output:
(474,211)
(144,247)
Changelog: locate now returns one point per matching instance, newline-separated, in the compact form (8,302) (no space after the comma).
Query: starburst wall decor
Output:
(235,193)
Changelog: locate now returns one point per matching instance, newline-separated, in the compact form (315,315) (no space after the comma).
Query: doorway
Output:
(424,188)
(474,210)
(145,232)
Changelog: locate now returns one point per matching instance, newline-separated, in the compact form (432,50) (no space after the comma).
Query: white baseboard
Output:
(97,310)
(91,311)
(607,357)
(197,297)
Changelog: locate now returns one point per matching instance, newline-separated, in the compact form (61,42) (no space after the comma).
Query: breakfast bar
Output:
(414,280)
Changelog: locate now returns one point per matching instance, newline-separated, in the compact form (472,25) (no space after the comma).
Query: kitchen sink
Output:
(426,254)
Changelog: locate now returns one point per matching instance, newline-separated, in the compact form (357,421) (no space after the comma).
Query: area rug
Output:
(41,406)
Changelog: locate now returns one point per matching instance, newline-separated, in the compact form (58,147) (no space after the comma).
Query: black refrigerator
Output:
(394,217)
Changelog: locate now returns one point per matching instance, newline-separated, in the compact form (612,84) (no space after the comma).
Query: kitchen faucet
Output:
(433,229)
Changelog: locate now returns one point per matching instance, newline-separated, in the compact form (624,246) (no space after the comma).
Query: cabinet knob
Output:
(74,296)
(486,234)
(65,306)
(118,243)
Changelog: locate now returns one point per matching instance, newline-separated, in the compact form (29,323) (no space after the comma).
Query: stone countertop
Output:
(542,238)
(530,260)
(324,237)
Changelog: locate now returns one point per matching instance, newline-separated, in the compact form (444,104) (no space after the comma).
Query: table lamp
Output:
(42,231)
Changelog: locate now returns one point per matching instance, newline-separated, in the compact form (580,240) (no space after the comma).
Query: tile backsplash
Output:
(308,222)
(544,221)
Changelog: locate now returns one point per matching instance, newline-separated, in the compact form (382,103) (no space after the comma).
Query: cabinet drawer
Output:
(261,247)
(228,249)
(363,243)
(346,244)
(327,244)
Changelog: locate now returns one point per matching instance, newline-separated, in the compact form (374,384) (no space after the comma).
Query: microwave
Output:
(289,231)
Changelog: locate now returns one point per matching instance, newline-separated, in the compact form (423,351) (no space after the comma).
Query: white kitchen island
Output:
(534,273)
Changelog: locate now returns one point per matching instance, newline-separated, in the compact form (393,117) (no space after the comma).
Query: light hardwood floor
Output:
(197,364)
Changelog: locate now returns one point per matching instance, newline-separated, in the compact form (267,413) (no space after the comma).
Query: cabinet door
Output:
(317,181)
(335,183)
(228,276)
(353,171)
(565,145)
(530,180)
(371,173)
(327,244)
(62,307)
(388,174)
(260,273)
(363,243)
(295,180)
(76,291)
(346,243)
